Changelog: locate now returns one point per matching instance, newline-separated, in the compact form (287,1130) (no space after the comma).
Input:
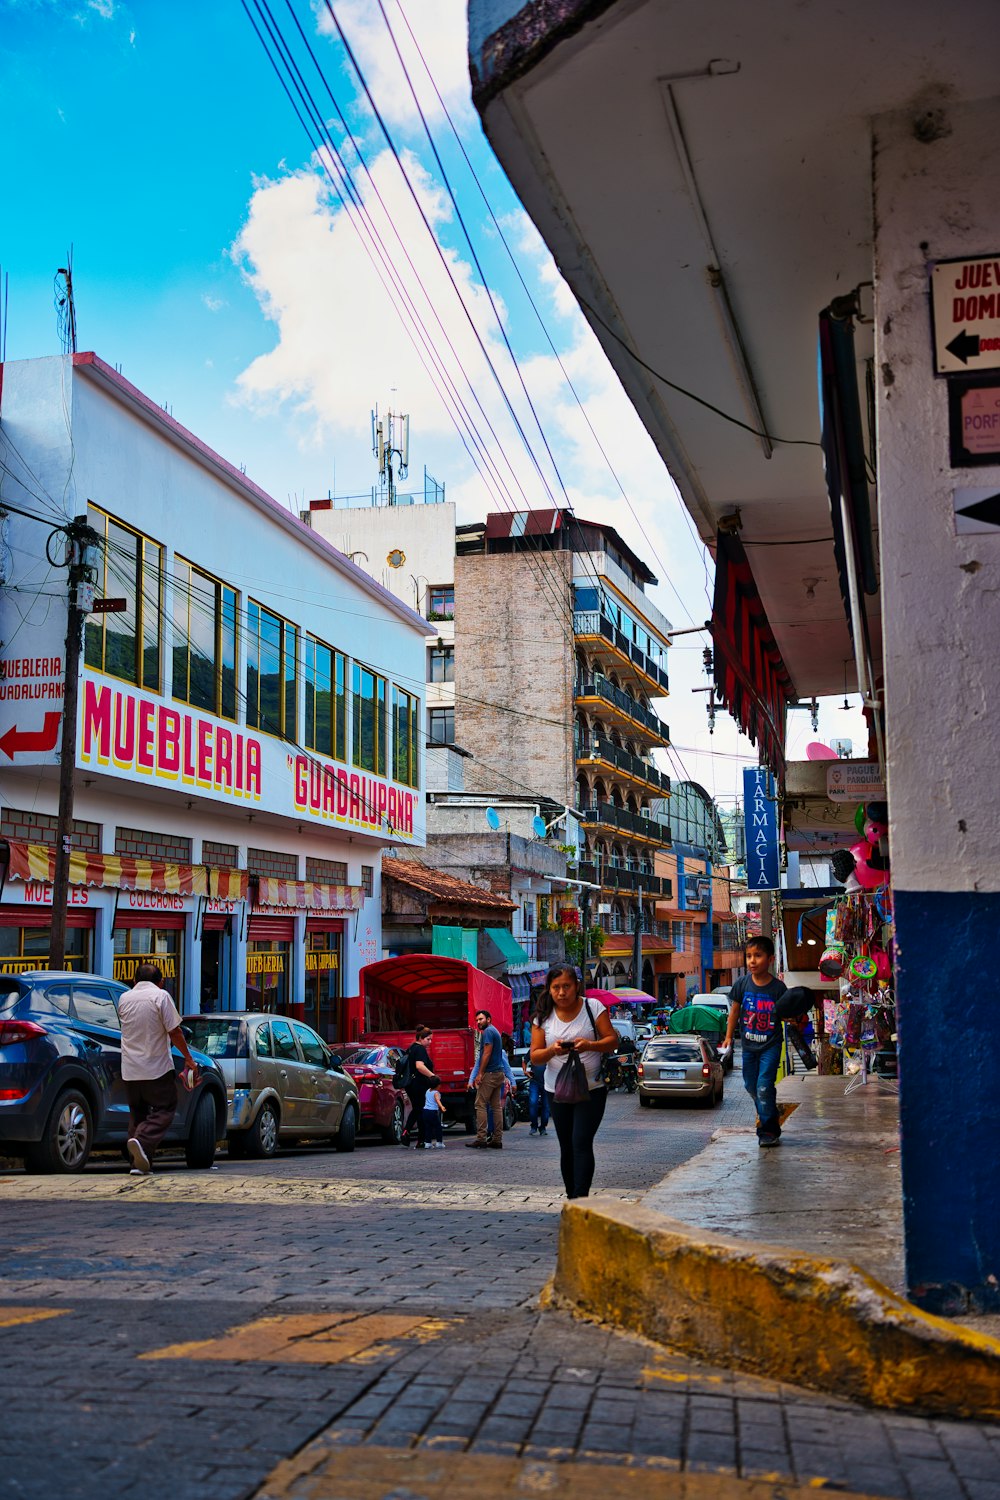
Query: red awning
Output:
(750,674)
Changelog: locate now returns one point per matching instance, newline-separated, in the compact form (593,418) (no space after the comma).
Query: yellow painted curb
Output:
(770,1311)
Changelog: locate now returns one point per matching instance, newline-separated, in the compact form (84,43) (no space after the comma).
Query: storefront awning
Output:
(309,895)
(517,961)
(125,872)
(750,676)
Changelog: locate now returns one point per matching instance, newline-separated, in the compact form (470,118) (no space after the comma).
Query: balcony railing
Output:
(612,878)
(625,703)
(627,821)
(624,760)
(590,622)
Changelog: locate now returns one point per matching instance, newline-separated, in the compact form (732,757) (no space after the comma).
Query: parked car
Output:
(383,1107)
(61,1089)
(282,1081)
(722,989)
(707,1015)
(680,1066)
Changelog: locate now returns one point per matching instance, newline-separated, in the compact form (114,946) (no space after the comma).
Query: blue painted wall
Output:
(949,1036)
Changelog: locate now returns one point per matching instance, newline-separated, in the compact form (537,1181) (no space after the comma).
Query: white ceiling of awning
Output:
(780,145)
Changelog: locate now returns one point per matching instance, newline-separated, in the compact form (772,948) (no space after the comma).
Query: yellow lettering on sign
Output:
(29,965)
(265,963)
(319,962)
(125,967)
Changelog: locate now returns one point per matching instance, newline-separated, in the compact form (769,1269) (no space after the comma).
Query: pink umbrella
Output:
(625,996)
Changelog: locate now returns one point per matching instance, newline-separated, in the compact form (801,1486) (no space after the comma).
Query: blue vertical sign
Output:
(760,820)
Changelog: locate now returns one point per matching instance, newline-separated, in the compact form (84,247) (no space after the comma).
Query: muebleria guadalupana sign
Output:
(139,737)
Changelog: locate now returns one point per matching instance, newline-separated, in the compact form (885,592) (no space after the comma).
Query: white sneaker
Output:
(137,1156)
(137,1172)
(438,1145)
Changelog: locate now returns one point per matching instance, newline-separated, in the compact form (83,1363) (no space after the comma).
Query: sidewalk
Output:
(785,1263)
(832,1189)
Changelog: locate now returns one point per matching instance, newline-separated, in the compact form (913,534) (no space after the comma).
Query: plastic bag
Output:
(571,1081)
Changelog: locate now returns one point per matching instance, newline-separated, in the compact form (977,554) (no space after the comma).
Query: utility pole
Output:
(80,537)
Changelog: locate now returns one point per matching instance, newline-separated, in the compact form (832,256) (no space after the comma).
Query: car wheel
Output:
(68,1138)
(709,1100)
(344,1140)
(199,1148)
(392,1133)
(645,1101)
(262,1137)
(509,1115)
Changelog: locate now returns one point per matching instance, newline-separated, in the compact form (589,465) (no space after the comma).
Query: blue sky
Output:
(213,263)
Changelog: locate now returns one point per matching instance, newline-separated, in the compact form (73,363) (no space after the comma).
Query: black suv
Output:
(61,1089)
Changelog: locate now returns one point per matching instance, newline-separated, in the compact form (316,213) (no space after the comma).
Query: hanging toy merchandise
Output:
(858,956)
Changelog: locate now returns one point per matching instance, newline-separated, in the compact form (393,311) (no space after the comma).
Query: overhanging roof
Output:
(652,140)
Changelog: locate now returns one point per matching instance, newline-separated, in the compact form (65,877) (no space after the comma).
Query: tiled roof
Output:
(441,886)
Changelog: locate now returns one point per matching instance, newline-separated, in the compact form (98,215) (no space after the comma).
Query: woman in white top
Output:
(566,1022)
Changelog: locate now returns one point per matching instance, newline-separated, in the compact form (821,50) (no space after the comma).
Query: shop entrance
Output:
(324,962)
(25,940)
(269,964)
(136,941)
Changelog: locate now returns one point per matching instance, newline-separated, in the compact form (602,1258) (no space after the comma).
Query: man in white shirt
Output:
(150,1025)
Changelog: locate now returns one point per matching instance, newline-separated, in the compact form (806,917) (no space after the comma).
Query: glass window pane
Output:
(122,578)
(291,644)
(270,668)
(152,588)
(230,606)
(181,647)
(340,708)
(253,666)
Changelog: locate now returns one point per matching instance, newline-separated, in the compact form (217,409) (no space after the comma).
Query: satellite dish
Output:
(538,827)
(493,818)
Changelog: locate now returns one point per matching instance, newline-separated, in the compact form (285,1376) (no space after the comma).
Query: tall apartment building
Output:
(547,659)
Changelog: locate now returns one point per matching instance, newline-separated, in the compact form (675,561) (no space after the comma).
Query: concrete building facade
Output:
(244,753)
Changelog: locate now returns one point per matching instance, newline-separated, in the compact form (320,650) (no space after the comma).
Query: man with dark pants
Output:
(752,1001)
(150,1025)
(489,1084)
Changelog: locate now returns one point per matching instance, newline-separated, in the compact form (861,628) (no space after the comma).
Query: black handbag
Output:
(571,1081)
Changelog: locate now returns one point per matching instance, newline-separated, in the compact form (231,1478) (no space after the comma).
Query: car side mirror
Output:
(335,1061)
(187,1033)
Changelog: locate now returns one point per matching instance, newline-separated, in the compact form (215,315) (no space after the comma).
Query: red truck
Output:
(399,994)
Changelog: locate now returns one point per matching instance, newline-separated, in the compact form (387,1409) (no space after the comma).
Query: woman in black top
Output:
(422,1077)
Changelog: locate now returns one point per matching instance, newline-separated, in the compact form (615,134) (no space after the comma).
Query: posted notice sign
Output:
(854,781)
(966,300)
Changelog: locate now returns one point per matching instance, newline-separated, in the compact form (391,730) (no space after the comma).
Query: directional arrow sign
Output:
(965,296)
(21,741)
(977,510)
(964,346)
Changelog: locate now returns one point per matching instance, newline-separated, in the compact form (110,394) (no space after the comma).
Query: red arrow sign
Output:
(22,740)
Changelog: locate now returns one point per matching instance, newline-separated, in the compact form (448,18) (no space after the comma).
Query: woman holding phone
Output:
(566,1021)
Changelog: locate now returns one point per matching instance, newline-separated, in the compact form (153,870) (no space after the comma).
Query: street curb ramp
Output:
(770,1311)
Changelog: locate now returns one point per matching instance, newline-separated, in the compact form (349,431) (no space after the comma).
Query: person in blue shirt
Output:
(752,1001)
(489,1076)
(509,1087)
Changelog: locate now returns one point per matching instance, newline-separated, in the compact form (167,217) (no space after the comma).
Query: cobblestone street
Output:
(241,1332)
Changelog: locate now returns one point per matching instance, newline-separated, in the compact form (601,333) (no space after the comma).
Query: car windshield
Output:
(356,1057)
(217,1035)
(673,1052)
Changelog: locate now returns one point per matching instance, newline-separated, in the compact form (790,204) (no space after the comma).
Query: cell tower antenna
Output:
(391,446)
(65,305)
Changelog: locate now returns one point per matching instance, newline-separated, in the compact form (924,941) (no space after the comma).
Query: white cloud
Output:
(439,27)
(214,304)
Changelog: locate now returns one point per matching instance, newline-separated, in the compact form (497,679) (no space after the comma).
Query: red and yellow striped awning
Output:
(125,872)
(309,895)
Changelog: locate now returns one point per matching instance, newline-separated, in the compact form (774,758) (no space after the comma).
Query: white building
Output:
(249,728)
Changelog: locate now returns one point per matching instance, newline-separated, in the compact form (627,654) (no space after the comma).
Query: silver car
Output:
(680,1066)
(282,1083)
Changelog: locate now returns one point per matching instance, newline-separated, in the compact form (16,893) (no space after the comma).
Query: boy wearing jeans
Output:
(752,1000)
